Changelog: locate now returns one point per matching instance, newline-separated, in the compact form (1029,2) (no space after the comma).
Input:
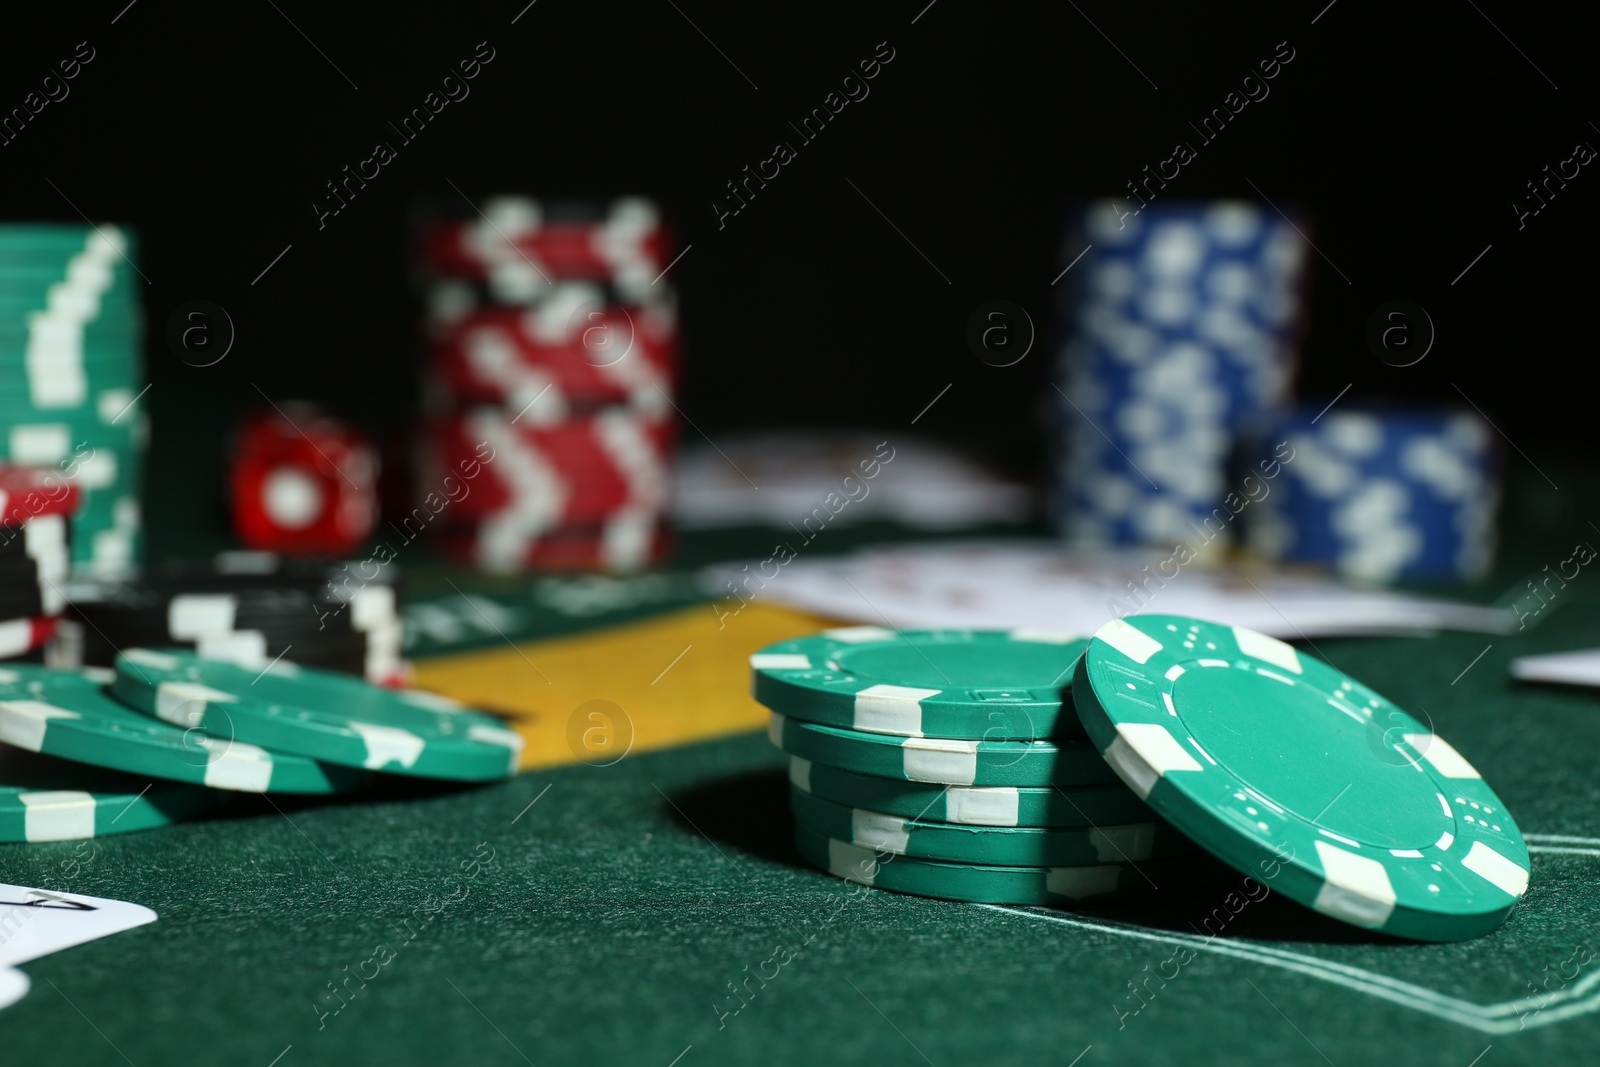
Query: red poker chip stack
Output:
(36,505)
(553,356)
(302,483)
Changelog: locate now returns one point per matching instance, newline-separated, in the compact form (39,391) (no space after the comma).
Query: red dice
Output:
(303,483)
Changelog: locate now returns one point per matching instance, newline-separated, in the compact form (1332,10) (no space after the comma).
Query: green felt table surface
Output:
(592,915)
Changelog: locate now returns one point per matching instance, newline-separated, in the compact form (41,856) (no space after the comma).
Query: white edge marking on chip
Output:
(855,635)
(150,658)
(1174,672)
(184,703)
(940,760)
(1079,883)
(852,862)
(1044,637)
(876,830)
(1131,642)
(1267,649)
(1144,752)
(1166,698)
(1212,663)
(1356,889)
(193,615)
(388,744)
(1446,839)
(780,661)
(775,729)
(990,805)
(1442,755)
(1496,869)
(1445,805)
(891,709)
(432,701)
(24,722)
(800,773)
(15,636)
(1409,853)
(237,766)
(1123,844)
(499,735)
(1275,676)
(63,815)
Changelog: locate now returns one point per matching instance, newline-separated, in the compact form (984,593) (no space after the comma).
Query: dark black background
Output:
(1404,130)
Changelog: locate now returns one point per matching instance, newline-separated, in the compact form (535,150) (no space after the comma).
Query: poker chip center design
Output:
(932,664)
(1309,752)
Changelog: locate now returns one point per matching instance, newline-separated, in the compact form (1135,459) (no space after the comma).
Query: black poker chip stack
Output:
(249,607)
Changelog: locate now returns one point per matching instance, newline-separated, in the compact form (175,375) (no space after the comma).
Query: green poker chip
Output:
(999,846)
(1301,777)
(988,884)
(326,716)
(72,715)
(47,799)
(942,760)
(963,684)
(966,805)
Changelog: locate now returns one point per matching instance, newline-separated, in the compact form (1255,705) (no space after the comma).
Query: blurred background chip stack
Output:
(1180,322)
(553,352)
(71,378)
(1383,494)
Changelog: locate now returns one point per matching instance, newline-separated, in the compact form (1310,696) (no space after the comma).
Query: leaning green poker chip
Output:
(70,714)
(1295,774)
(967,805)
(327,716)
(942,760)
(988,884)
(46,799)
(1001,846)
(969,685)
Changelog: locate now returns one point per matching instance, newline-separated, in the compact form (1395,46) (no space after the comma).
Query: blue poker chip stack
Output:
(1179,321)
(1381,494)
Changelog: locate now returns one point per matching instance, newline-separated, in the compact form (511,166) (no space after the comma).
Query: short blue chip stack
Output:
(1382,494)
(1180,327)
(71,379)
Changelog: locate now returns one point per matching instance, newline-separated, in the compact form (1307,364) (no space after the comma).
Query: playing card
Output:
(13,986)
(1574,668)
(37,922)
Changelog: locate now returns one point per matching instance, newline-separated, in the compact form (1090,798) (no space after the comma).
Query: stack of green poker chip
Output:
(1301,777)
(71,377)
(1022,846)
(1066,886)
(73,715)
(324,715)
(47,799)
(957,760)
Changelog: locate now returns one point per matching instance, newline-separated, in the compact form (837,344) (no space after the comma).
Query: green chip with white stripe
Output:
(972,805)
(330,717)
(71,714)
(1302,777)
(942,760)
(983,685)
(47,799)
(1024,846)
(990,884)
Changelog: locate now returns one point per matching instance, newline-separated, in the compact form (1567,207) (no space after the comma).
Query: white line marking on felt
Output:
(1581,998)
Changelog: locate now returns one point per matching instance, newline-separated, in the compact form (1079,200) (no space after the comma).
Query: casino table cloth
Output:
(636,896)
